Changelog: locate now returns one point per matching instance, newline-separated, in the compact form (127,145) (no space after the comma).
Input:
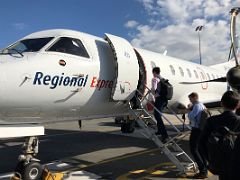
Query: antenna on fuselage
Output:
(165,53)
(199,29)
(234,49)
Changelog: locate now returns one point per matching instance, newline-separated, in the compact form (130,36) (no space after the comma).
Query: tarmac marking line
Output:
(159,172)
(156,170)
(114,159)
(147,172)
(138,171)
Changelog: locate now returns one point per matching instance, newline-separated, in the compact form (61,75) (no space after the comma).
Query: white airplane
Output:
(64,75)
(59,75)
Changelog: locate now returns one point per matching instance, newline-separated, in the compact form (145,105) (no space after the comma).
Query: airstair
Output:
(170,148)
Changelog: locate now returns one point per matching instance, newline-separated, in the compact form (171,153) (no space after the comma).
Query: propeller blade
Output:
(221,79)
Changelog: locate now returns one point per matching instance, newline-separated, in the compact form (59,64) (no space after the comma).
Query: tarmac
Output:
(96,151)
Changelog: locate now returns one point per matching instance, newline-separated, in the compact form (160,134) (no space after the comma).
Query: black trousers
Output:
(224,177)
(197,155)
(160,104)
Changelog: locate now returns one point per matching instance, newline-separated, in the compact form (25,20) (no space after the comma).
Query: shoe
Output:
(200,175)
(164,139)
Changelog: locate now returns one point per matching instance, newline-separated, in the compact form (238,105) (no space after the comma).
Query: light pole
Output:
(198,29)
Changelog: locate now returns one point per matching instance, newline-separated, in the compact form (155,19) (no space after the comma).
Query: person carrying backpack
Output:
(234,167)
(195,116)
(216,140)
(160,103)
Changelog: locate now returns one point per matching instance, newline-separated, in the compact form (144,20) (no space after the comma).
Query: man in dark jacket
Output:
(234,167)
(229,119)
(160,103)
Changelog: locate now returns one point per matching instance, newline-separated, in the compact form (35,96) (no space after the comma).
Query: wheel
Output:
(128,127)
(80,124)
(119,120)
(32,171)
(19,170)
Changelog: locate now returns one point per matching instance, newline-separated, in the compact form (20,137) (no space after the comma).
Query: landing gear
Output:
(31,171)
(119,120)
(29,168)
(127,125)
(80,124)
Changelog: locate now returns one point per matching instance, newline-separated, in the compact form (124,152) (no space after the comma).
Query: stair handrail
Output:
(174,113)
(166,119)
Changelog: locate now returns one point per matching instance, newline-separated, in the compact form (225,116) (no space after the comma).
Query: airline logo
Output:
(100,83)
(62,80)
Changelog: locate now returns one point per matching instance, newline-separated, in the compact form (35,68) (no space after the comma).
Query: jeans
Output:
(160,104)
(199,158)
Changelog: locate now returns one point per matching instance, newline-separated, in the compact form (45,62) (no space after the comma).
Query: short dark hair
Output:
(230,100)
(156,70)
(193,95)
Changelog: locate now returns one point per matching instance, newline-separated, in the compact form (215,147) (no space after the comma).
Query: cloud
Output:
(148,4)
(131,24)
(19,25)
(171,25)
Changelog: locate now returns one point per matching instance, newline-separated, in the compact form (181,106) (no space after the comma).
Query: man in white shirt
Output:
(194,116)
(160,103)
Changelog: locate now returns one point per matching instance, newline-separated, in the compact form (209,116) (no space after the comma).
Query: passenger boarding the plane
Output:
(160,103)
(194,116)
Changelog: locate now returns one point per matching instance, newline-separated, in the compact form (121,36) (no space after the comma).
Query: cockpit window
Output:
(27,45)
(70,46)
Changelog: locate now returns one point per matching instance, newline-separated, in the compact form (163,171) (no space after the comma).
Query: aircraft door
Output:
(126,68)
(203,77)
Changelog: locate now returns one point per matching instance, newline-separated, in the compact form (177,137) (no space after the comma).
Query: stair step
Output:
(171,149)
(138,110)
(188,165)
(146,117)
(178,153)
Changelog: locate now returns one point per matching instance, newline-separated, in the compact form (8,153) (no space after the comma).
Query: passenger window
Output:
(172,69)
(181,71)
(202,75)
(70,46)
(189,73)
(208,76)
(196,74)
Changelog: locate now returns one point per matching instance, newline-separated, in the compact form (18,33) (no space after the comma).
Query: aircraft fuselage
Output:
(47,86)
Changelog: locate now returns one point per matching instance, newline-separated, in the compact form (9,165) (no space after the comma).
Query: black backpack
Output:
(220,147)
(165,89)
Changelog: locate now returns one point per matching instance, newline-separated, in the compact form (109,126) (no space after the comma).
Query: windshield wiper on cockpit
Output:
(17,51)
(11,53)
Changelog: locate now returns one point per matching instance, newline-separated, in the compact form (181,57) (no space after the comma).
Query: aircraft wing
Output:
(221,79)
(51,120)
(16,130)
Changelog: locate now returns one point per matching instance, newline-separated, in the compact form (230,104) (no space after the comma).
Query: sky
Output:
(155,25)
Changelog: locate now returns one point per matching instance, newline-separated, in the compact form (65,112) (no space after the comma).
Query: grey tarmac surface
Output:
(98,149)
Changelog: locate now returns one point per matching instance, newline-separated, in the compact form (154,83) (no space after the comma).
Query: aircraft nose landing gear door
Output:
(126,68)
